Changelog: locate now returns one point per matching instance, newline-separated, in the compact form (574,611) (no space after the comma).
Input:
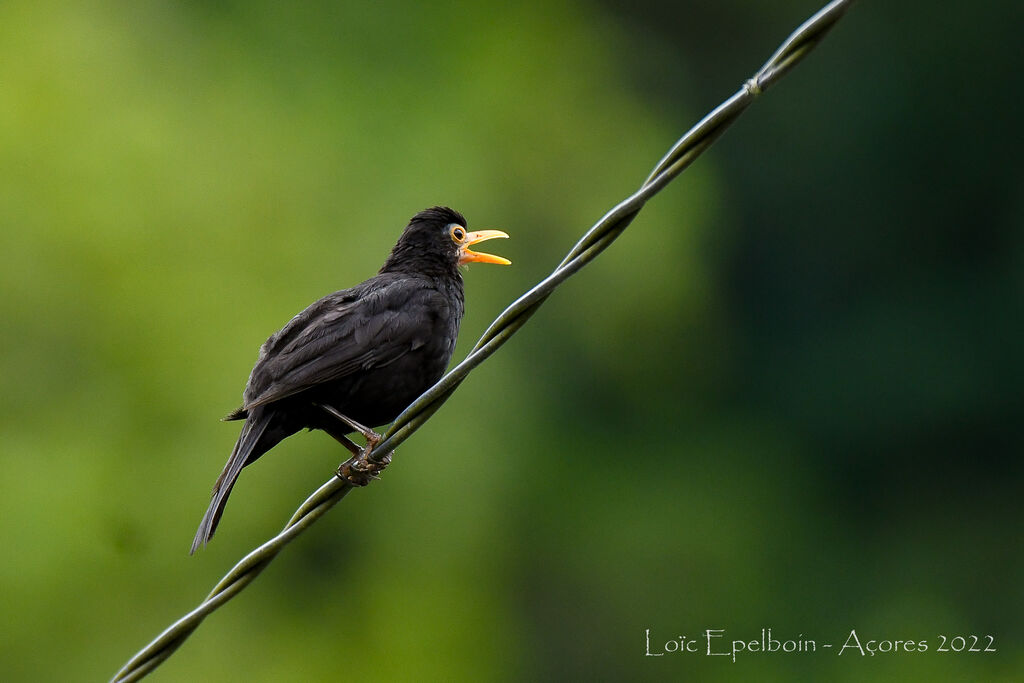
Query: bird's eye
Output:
(458,233)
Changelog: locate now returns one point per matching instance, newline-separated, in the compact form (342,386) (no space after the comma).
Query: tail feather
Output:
(244,452)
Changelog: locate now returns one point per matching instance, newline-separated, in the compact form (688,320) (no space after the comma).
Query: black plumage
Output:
(365,352)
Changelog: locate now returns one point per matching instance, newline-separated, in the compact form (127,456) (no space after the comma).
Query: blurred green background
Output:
(788,397)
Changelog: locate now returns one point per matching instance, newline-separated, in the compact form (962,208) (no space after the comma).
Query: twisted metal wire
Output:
(596,240)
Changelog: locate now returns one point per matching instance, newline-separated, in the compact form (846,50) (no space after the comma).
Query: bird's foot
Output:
(360,470)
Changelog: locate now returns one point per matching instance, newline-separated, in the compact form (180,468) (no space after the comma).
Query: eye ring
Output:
(458,233)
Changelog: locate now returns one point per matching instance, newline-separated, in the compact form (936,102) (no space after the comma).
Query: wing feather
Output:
(366,327)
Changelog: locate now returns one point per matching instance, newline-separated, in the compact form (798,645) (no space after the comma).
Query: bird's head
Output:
(438,238)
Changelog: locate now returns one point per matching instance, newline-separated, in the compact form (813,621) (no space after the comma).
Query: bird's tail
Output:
(247,449)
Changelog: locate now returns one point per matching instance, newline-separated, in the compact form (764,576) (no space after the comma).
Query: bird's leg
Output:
(360,468)
(342,438)
(372,437)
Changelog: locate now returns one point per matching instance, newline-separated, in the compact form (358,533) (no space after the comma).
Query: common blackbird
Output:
(359,356)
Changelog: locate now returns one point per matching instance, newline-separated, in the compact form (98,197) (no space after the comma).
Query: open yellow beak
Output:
(467,256)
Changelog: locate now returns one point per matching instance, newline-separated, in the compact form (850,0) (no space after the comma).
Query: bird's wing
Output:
(359,329)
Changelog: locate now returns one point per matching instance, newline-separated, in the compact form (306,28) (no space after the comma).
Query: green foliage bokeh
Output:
(785,398)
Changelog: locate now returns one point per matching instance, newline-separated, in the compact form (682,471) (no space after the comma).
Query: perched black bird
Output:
(359,356)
